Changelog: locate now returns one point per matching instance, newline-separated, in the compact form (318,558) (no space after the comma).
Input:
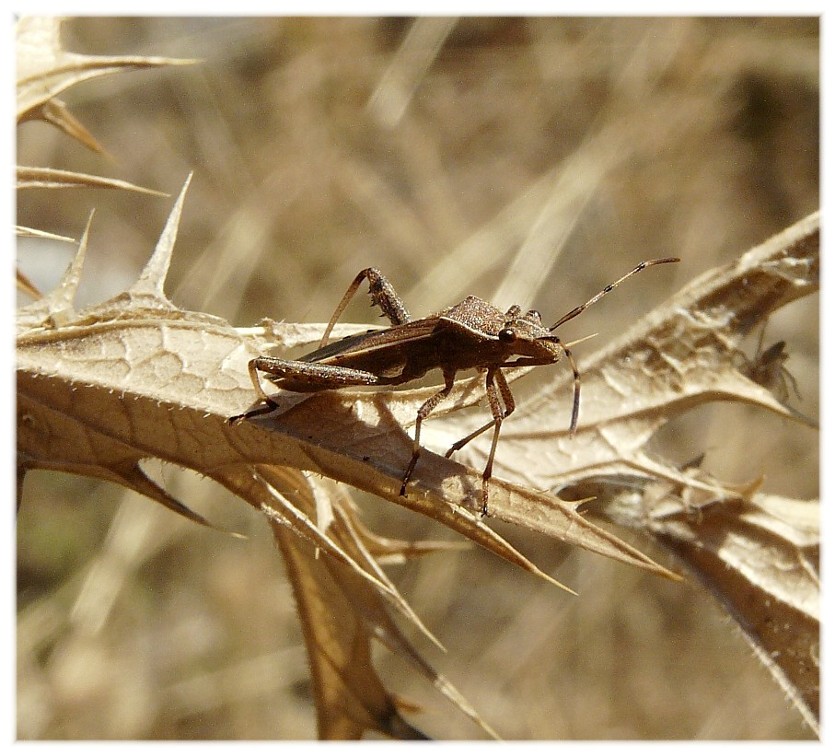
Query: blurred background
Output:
(528,160)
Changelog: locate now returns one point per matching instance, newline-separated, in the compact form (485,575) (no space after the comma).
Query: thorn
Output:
(152,279)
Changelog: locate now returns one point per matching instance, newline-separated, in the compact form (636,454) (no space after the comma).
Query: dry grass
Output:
(530,159)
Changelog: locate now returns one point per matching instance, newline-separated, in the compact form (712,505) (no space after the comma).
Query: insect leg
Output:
(510,405)
(495,378)
(269,404)
(382,294)
(295,375)
(424,411)
(460,444)
(302,377)
(526,362)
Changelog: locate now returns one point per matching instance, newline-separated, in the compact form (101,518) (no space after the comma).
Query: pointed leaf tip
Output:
(152,279)
(61,299)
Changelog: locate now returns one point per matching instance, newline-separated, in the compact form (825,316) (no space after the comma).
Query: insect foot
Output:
(470,335)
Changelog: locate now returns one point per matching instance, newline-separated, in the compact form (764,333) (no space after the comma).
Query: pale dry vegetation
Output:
(526,161)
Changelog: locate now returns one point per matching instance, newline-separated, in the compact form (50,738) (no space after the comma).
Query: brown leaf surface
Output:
(757,554)
(683,354)
(137,378)
(142,346)
(341,614)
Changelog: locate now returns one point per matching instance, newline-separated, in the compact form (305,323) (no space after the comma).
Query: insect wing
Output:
(369,342)
(347,344)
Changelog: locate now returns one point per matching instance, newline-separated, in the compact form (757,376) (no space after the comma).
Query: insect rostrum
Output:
(470,335)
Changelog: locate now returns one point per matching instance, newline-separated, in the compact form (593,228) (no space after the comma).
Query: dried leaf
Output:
(341,615)
(45,69)
(27,287)
(350,696)
(759,557)
(683,354)
(134,378)
(104,418)
(52,178)
(197,362)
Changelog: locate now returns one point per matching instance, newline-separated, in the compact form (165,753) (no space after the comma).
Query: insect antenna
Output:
(575,407)
(637,269)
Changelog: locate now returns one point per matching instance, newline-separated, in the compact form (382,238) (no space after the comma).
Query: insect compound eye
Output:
(507,334)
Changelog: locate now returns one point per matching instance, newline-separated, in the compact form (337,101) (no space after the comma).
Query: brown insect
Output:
(472,334)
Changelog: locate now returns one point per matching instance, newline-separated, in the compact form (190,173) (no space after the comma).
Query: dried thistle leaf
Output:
(759,562)
(135,377)
(759,556)
(51,178)
(45,69)
(341,615)
(350,696)
(681,355)
(197,362)
(25,286)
